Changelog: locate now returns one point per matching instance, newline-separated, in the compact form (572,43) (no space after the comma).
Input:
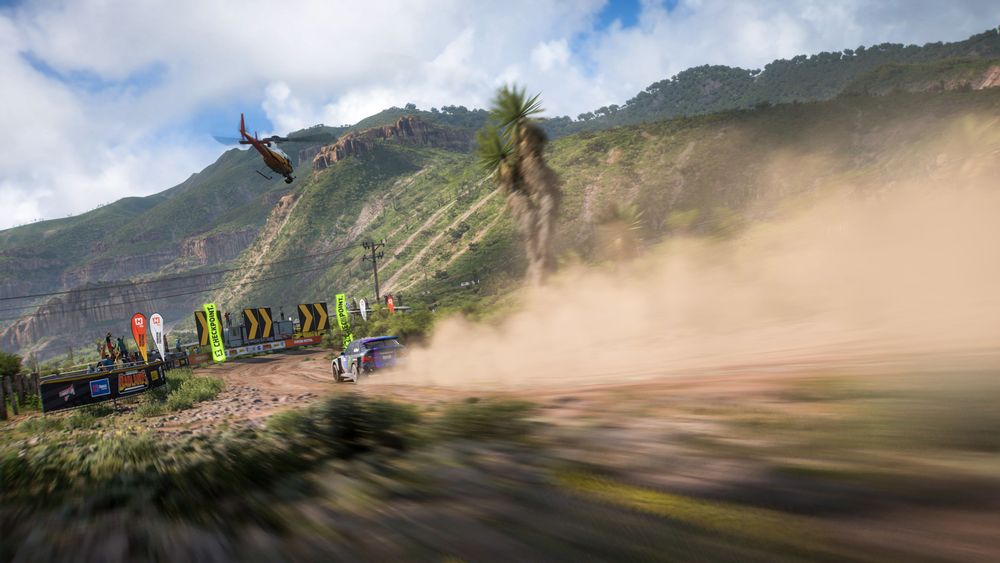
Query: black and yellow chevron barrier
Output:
(313,317)
(258,323)
(201,322)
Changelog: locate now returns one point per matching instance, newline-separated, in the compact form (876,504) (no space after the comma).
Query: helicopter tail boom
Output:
(247,139)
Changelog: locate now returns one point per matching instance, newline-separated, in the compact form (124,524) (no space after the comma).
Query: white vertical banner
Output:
(363,305)
(156,330)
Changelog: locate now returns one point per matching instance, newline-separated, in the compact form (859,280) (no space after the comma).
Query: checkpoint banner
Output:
(201,323)
(258,323)
(313,317)
(215,333)
(87,389)
(343,319)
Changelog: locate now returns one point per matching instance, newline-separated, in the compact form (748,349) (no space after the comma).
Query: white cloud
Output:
(311,61)
(550,54)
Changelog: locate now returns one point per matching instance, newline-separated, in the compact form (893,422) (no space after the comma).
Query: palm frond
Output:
(491,148)
(512,106)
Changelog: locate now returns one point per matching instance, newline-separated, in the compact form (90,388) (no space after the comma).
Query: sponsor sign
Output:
(363,307)
(343,319)
(313,317)
(139,334)
(67,393)
(156,331)
(131,381)
(390,304)
(100,387)
(78,390)
(215,332)
(266,346)
(258,323)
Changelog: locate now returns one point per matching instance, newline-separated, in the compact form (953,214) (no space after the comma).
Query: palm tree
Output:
(511,148)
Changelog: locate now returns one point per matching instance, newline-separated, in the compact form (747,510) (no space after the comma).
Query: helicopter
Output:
(274,158)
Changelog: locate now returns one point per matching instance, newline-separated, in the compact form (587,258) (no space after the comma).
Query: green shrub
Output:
(290,423)
(92,472)
(194,390)
(348,425)
(475,419)
(40,424)
(81,419)
(182,391)
(151,407)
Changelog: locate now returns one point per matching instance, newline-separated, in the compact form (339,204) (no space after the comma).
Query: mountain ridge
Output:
(217,216)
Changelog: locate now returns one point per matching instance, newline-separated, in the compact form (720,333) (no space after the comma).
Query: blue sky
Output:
(147,83)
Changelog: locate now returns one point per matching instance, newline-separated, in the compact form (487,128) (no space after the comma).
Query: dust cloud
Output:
(906,272)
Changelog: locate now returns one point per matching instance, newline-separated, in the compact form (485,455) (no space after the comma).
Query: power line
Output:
(373,247)
(82,309)
(168,278)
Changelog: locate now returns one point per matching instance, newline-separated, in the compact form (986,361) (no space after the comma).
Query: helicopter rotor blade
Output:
(317,138)
(226,140)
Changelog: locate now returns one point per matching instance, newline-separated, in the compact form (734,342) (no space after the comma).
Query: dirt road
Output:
(879,450)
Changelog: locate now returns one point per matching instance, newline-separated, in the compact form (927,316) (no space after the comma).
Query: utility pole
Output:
(373,247)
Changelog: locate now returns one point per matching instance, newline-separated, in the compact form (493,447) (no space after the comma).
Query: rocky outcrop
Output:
(990,79)
(126,266)
(407,129)
(101,301)
(262,245)
(307,155)
(82,316)
(216,247)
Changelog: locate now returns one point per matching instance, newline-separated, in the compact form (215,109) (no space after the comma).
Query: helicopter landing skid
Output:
(264,175)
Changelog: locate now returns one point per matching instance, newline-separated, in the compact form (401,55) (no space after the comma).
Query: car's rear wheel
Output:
(356,371)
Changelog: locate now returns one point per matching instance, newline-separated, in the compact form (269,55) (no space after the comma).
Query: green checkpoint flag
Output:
(343,319)
(215,333)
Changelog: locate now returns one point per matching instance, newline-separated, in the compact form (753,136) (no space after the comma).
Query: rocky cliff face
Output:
(109,268)
(407,129)
(84,315)
(216,247)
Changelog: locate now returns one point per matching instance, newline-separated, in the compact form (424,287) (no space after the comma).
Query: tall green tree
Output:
(511,148)
(10,364)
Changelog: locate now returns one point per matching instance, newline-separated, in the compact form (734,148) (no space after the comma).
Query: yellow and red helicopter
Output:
(274,158)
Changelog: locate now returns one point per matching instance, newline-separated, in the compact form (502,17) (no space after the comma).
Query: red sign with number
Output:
(139,333)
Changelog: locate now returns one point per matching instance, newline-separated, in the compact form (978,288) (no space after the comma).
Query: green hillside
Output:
(704,176)
(708,89)
(707,174)
(949,74)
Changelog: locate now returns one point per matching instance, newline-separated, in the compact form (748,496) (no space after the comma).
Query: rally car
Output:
(365,356)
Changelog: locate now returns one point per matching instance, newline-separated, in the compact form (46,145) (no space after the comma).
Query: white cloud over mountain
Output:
(94,91)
